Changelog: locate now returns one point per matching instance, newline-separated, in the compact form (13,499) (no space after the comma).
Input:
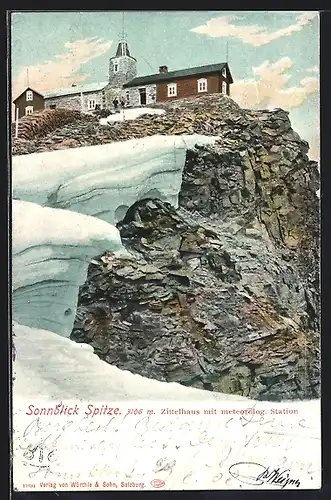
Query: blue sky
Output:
(273,56)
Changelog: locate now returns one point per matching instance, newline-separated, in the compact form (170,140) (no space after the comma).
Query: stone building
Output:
(84,98)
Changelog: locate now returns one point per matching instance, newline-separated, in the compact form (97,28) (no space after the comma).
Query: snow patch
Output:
(130,114)
(55,367)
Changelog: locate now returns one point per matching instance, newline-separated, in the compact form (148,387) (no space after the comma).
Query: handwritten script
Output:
(169,447)
(256,474)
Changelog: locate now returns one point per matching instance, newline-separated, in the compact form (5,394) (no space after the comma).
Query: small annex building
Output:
(28,102)
(78,97)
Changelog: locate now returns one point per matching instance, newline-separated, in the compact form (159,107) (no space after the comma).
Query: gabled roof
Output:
(172,75)
(88,87)
(27,88)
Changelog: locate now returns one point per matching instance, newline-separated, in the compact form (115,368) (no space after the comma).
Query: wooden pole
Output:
(16,123)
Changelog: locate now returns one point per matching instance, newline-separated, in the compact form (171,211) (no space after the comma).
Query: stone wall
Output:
(112,92)
(127,70)
(72,102)
(75,102)
(134,96)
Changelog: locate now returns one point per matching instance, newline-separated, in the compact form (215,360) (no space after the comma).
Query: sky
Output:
(273,55)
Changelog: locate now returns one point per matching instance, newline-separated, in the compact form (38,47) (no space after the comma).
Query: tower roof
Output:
(122,49)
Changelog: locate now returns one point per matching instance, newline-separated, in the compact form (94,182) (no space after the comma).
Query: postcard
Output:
(165,250)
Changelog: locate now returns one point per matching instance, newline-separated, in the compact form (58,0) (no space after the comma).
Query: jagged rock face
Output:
(223,293)
(266,175)
(266,178)
(199,306)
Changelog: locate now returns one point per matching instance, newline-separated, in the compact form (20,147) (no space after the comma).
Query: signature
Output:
(256,474)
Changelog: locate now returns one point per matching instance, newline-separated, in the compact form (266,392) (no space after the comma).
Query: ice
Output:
(103,181)
(130,114)
(51,250)
(53,246)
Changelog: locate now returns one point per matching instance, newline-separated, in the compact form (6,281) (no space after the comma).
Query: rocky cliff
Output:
(222,293)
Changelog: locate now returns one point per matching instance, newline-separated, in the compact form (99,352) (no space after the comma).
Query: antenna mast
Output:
(122,36)
(27,77)
(147,63)
(227,52)
(122,25)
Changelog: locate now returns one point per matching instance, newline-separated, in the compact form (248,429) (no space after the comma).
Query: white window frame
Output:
(202,85)
(91,104)
(29,95)
(115,67)
(172,89)
(224,88)
(28,110)
(224,72)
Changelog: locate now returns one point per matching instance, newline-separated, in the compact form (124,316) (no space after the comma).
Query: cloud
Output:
(62,70)
(269,87)
(313,138)
(251,34)
(314,69)
(314,147)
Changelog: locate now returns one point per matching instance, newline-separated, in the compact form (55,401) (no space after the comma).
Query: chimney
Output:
(163,69)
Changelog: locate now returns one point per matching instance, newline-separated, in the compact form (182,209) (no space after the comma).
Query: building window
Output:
(202,85)
(91,104)
(172,89)
(127,97)
(224,72)
(29,95)
(29,110)
(224,88)
(52,106)
(115,67)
